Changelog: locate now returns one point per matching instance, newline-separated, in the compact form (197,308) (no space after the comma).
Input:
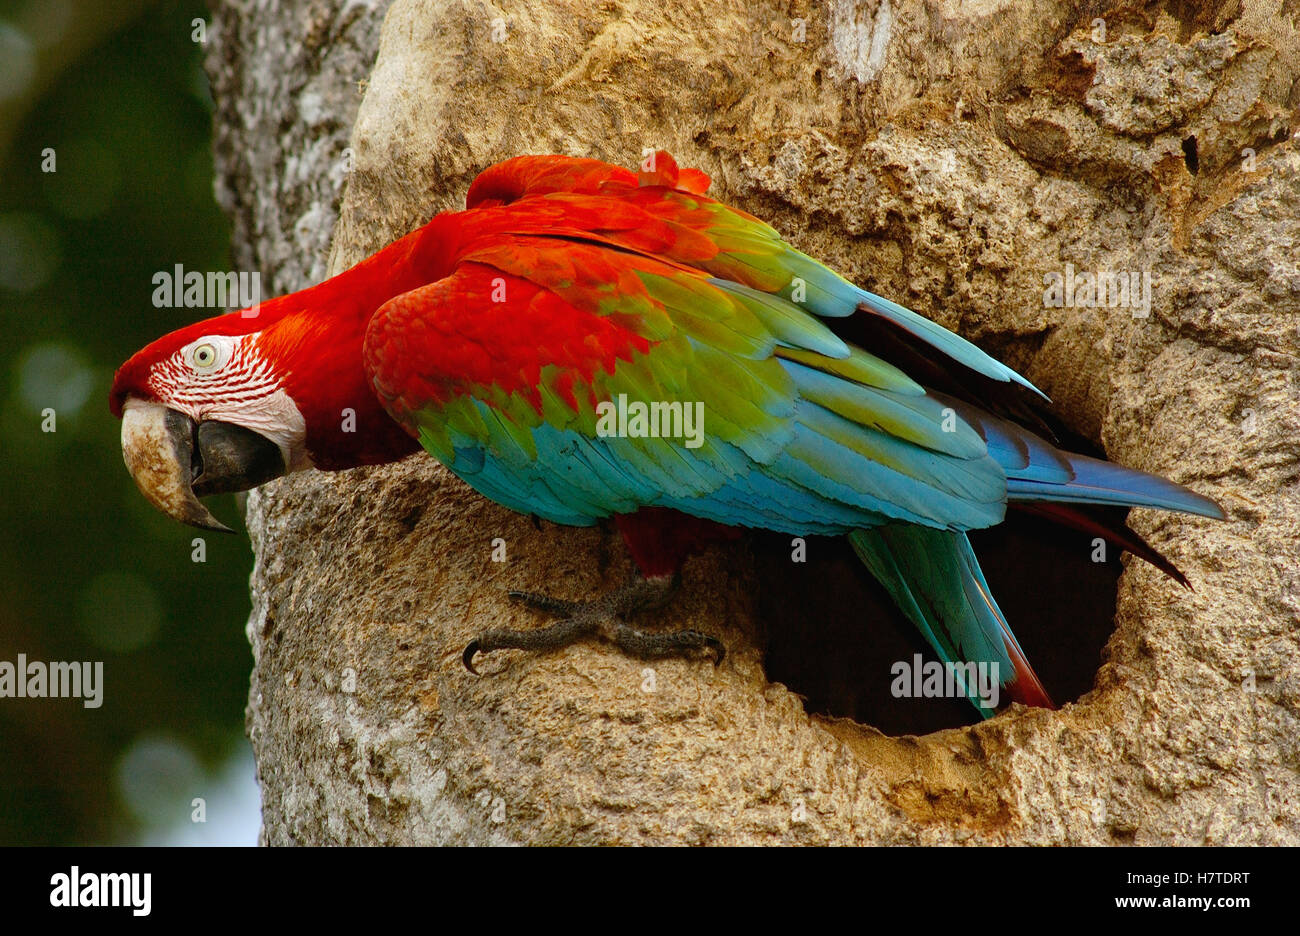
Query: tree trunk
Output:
(950,156)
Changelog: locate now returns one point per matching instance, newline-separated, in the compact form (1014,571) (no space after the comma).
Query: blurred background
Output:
(105,180)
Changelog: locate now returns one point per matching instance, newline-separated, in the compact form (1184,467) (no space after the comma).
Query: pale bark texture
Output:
(946,155)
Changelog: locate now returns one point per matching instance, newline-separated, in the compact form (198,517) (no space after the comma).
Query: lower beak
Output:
(175,460)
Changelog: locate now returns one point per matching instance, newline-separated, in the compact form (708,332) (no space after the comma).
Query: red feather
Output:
(660,540)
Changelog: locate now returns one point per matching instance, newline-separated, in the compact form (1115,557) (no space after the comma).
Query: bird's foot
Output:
(605,617)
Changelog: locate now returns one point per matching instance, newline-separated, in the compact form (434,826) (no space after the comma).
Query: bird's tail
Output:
(1037,471)
(935,579)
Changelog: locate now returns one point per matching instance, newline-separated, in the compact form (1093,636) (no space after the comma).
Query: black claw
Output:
(468,656)
(718,647)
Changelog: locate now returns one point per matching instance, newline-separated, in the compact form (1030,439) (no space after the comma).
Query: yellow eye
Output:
(205,355)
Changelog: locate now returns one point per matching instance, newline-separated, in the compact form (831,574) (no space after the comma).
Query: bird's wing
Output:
(560,304)
(662,211)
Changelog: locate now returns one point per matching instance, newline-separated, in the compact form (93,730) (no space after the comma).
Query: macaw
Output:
(585,341)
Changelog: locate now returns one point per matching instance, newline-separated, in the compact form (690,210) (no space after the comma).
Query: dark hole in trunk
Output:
(832,632)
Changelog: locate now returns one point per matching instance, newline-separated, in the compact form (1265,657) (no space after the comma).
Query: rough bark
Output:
(946,155)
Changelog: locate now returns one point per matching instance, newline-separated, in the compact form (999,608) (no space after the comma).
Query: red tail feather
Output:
(1025,687)
(1113,531)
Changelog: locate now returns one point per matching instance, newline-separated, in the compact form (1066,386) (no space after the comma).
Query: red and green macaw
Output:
(503,338)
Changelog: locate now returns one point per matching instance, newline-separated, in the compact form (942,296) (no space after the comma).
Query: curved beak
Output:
(175,460)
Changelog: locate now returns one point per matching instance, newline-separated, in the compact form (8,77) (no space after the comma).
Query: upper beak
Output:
(175,460)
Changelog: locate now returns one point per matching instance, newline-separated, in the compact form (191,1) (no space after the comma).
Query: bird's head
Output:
(234,401)
(205,410)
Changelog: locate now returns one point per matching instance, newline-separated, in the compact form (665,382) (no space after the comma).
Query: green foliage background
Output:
(88,570)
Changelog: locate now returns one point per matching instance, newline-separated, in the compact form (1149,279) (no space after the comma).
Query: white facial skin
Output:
(223,378)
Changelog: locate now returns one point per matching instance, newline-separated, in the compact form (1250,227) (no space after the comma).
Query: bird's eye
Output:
(205,355)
